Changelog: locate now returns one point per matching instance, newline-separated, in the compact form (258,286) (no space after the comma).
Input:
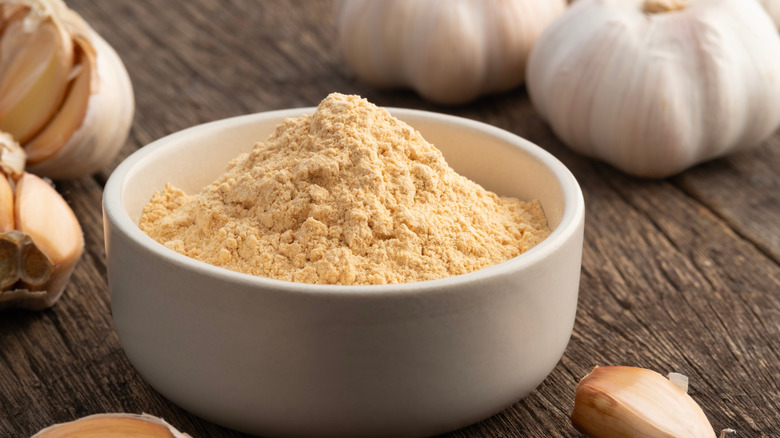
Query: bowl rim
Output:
(571,219)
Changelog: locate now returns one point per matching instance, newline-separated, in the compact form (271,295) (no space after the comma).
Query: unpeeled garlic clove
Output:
(35,69)
(39,255)
(618,401)
(6,204)
(66,121)
(115,425)
(65,93)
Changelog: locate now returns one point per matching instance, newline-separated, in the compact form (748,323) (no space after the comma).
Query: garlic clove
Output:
(113,426)
(107,121)
(71,115)
(6,205)
(36,56)
(48,224)
(42,214)
(617,401)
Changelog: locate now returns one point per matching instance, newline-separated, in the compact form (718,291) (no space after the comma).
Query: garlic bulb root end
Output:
(662,6)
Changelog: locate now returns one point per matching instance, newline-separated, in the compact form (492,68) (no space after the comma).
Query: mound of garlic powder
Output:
(347,195)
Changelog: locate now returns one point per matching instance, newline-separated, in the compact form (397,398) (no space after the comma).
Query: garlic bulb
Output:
(616,401)
(449,52)
(117,425)
(40,238)
(656,86)
(773,8)
(65,95)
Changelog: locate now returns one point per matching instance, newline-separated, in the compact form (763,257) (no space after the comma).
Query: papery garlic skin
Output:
(79,102)
(656,93)
(12,156)
(449,52)
(7,221)
(773,8)
(113,425)
(619,402)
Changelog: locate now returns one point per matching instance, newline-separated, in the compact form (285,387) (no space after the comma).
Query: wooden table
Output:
(680,274)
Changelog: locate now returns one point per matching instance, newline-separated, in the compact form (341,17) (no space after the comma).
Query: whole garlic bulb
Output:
(656,86)
(450,52)
(65,95)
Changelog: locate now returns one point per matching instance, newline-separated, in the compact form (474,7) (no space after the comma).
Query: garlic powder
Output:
(347,195)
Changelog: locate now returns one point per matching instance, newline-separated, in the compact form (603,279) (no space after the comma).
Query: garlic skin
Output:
(113,425)
(449,52)
(617,402)
(773,8)
(654,93)
(65,94)
(12,156)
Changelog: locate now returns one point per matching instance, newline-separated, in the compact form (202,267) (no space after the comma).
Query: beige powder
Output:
(347,195)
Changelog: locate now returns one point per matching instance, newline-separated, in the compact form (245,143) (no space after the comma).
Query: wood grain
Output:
(680,274)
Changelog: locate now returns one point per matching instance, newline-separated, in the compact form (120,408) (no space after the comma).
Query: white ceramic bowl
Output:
(279,358)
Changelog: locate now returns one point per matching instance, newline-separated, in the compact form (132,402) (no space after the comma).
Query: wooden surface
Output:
(681,274)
